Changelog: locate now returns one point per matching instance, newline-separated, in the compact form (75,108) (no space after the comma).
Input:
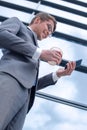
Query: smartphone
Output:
(78,63)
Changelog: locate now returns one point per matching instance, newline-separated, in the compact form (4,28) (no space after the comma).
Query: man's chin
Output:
(40,38)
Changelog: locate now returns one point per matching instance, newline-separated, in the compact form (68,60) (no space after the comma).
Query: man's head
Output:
(43,25)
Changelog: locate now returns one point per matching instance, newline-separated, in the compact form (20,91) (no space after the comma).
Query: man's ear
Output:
(37,20)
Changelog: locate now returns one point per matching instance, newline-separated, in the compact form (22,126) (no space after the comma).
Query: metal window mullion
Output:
(33,13)
(61,100)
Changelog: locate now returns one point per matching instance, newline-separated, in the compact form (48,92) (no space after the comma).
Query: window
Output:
(71,37)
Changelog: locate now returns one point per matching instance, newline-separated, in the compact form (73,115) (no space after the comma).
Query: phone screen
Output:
(78,63)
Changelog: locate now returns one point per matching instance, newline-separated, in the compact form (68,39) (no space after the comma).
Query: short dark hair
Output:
(45,17)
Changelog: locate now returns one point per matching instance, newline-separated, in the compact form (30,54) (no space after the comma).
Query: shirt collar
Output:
(32,31)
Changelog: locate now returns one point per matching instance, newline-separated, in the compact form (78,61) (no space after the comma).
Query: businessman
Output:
(19,67)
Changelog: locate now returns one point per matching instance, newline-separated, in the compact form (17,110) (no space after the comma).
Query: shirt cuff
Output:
(37,54)
(55,77)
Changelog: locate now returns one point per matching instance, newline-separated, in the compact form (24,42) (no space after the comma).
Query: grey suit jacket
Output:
(19,45)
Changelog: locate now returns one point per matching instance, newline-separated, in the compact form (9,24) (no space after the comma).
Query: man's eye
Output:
(49,28)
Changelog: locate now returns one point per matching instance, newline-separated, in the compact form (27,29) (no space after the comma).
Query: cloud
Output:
(72,126)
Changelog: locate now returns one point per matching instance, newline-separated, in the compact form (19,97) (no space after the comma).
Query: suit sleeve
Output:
(45,81)
(9,40)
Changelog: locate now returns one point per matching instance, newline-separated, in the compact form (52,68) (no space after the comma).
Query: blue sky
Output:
(49,115)
(45,114)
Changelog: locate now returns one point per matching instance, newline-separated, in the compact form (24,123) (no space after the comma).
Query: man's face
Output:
(44,28)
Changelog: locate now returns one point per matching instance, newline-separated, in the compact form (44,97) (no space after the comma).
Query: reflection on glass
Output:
(49,115)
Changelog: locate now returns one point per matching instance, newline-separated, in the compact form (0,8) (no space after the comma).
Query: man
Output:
(19,67)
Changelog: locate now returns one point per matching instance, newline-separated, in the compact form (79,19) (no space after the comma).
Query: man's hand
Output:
(64,72)
(51,55)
